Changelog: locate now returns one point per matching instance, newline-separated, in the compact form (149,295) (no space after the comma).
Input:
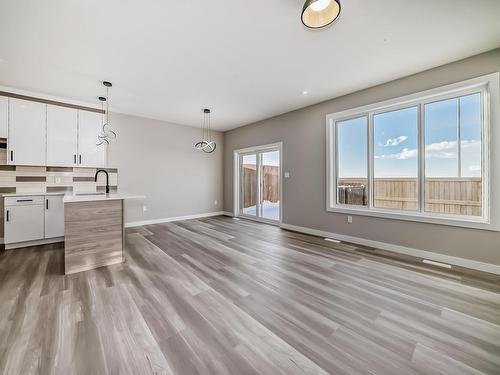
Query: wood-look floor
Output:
(221,296)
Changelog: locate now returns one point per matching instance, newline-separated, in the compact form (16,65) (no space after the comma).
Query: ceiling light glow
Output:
(317,14)
(320,5)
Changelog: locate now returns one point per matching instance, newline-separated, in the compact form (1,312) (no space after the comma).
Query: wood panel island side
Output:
(94,232)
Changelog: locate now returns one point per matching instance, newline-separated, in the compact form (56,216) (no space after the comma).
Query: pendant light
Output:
(206,144)
(320,13)
(106,133)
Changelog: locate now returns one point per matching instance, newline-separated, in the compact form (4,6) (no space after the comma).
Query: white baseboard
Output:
(18,245)
(173,218)
(227,213)
(462,262)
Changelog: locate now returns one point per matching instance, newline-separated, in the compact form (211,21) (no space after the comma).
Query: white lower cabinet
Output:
(33,218)
(23,219)
(54,216)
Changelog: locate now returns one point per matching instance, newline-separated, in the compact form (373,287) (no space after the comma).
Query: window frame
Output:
(484,85)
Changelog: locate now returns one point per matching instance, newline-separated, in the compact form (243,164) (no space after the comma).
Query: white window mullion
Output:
(421,157)
(459,142)
(485,151)
(371,156)
(336,164)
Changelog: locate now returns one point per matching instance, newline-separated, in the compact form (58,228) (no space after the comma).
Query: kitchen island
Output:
(94,232)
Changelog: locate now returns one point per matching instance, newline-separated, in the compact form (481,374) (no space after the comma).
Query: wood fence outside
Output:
(270,181)
(461,196)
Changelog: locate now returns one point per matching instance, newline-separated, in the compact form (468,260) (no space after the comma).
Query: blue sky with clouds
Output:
(396,140)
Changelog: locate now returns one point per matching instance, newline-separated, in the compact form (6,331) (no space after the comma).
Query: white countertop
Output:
(82,197)
(31,194)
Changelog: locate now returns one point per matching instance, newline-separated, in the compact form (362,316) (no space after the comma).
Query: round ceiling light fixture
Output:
(317,14)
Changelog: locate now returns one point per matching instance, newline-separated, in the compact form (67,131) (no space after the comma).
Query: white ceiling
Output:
(247,60)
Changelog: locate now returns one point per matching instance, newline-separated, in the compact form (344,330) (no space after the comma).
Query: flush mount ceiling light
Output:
(320,13)
(206,144)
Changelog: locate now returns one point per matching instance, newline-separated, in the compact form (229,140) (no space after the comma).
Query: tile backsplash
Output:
(27,179)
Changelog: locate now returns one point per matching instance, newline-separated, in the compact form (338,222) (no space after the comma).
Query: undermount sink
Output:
(79,194)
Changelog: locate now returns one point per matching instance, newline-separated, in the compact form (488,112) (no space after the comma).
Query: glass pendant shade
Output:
(320,13)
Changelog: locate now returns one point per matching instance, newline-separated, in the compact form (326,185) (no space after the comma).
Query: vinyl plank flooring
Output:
(223,296)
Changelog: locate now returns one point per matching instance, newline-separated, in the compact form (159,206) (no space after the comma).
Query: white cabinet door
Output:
(62,136)
(4,116)
(27,132)
(23,223)
(89,127)
(54,216)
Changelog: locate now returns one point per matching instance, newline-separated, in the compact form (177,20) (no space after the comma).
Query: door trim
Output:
(236,180)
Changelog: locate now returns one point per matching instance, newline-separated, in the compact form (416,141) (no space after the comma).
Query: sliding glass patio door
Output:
(260,179)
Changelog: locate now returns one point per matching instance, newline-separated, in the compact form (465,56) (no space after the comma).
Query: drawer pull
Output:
(47,203)
(11,155)
(25,200)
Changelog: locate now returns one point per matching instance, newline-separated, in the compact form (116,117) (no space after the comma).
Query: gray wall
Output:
(157,159)
(304,193)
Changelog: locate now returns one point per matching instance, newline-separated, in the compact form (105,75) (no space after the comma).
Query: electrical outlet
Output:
(349,219)
(144,208)
(216,202)
(58,180)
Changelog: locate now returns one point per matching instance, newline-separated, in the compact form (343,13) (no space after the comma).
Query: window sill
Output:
(458,221)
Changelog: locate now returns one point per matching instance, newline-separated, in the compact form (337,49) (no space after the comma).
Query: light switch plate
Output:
(287,174)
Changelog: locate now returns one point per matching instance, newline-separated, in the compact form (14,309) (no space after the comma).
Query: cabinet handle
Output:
(47,203)
(74,158)
(11,155)
(7,215)
(80,157)
(25,200)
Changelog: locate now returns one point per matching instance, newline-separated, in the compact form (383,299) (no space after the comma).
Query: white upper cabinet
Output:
(46,134)
(4,116)
(62,135)
(27,132)
(89,127)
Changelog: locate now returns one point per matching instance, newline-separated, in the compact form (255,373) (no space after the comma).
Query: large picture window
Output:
(423,157)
